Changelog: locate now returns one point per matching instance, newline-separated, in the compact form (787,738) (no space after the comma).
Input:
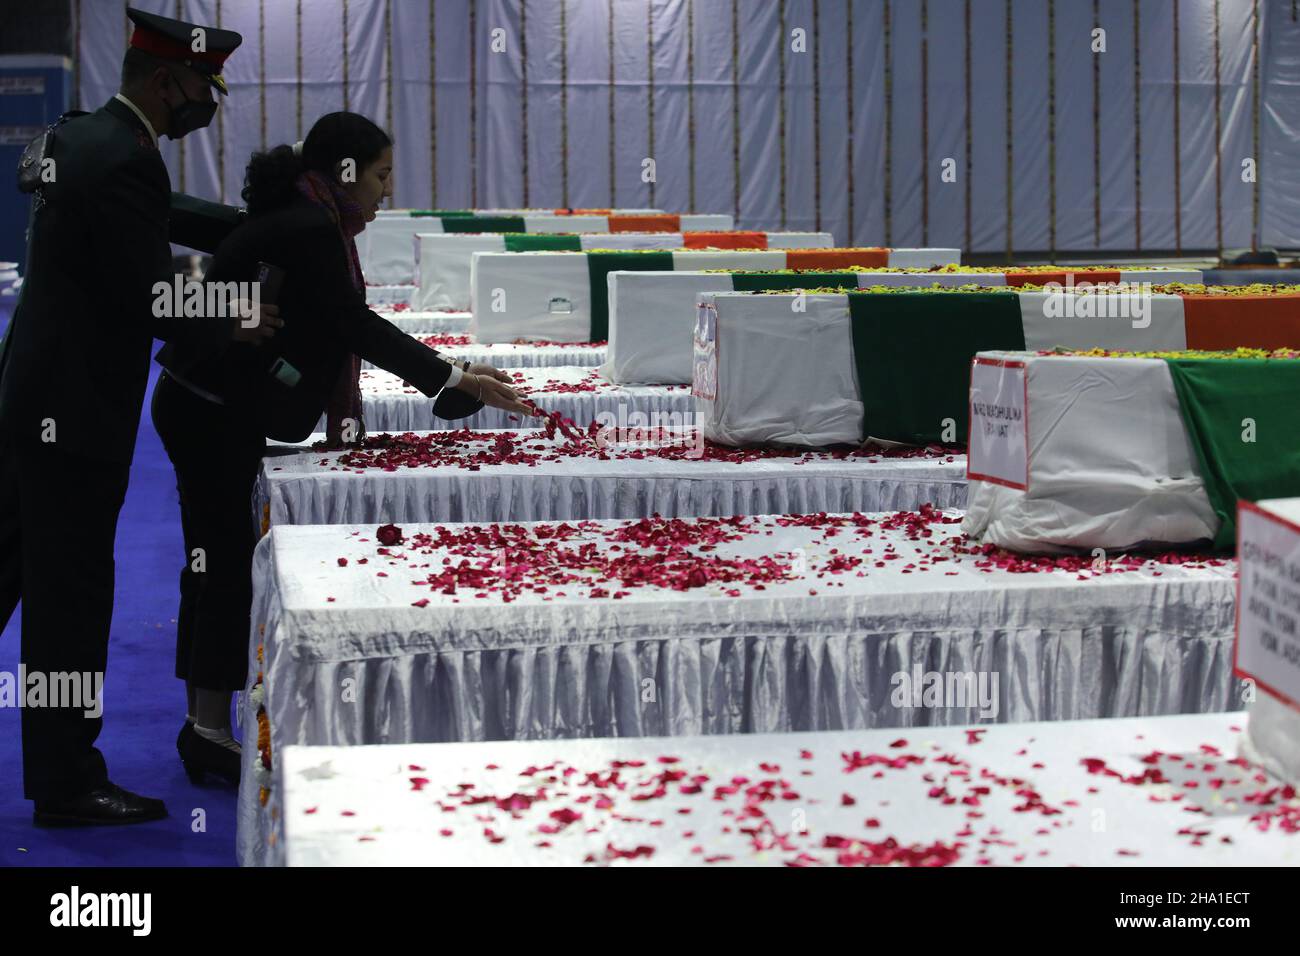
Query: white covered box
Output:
(652,314)
(387,251)
(768,374)
(443,259)
(548,296)
(1071,453)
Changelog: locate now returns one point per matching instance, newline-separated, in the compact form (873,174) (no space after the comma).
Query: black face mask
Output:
(190,115)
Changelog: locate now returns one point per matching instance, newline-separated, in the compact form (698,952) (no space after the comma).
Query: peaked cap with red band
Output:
(175,40)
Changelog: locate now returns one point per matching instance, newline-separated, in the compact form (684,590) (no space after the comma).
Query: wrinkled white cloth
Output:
(1110,463)
(783,659)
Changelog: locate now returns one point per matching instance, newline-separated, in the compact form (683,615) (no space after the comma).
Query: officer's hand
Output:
(256,324)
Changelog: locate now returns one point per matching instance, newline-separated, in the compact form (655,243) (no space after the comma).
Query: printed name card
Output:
(999,423)
(1268,597)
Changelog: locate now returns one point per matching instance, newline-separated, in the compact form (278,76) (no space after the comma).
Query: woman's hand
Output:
(495,373)
(490,389)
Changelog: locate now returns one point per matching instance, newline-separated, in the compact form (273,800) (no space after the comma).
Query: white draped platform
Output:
(427,323)
(509,355)
(580,394)
(1024,794)
(358,653)
(301,486)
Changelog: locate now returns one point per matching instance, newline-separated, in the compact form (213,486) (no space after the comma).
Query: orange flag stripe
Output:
(832,259)
(1216,322)
(661,222)
(1042,278)
(736,239)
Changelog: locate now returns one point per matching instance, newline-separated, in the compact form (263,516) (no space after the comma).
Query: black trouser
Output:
(58,519)
(216,455)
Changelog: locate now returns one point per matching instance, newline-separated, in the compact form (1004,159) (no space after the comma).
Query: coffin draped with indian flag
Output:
(1115,450)
(820,368)
(387,252)
(652,314)
(444,260)
(564,297)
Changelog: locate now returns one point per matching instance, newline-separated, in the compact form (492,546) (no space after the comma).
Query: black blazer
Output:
(325,320)
(77,349)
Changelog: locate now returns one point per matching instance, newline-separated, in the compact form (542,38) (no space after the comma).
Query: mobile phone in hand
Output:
(270,279)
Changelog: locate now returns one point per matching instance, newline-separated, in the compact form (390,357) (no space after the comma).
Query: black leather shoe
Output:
(108,805)
(202,758)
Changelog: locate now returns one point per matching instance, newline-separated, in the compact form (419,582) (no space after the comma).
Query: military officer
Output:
(74,367)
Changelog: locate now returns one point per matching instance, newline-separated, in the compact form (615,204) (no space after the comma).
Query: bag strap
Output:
(30,163)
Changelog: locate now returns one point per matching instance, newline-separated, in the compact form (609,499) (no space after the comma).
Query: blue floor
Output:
(144,704)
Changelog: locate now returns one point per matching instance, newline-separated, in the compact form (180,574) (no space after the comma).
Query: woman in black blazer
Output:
(305,205)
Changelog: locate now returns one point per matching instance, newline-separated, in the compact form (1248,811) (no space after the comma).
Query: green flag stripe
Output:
(1240,416)
(483,224)
(772,281)
(913,351)
(601,264)
(539,241)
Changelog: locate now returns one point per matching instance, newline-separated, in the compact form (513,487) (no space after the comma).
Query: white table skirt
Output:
(369,667)
(508,355)
(300,486)
(368,806)
(389,295)
(388,405)
(428,323)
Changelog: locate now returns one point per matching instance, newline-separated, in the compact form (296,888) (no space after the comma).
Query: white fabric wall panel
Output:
(1280,119)
(1156,58)
(798,201)
(715,182)
(905,167)
(500,100)
(1116,125)
(1075,184)
(533,124)
(947,126)
(589,130)
(760,143)
(631,105)
(988,178)
(867,82)
(1029,122)
(541,22)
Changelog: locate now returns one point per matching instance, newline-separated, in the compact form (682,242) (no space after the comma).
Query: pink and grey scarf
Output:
(345,398)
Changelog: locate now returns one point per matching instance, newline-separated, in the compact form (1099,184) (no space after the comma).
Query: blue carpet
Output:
(144,704)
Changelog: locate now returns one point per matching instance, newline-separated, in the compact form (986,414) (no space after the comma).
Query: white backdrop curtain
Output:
(1116,150)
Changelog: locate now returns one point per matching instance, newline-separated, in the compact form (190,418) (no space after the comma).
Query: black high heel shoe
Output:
(202,758)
